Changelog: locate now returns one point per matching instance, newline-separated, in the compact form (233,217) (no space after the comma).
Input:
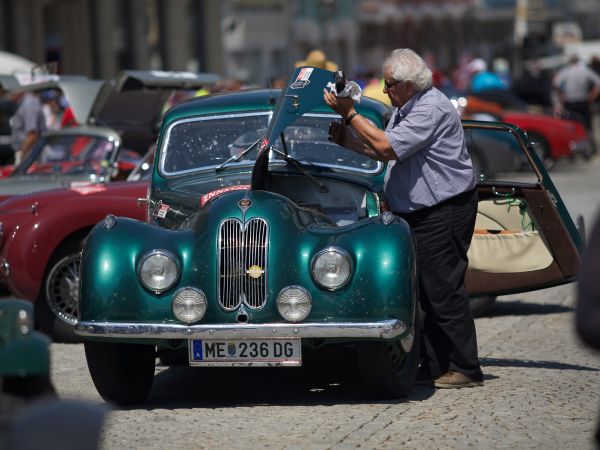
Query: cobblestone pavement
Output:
(542,390)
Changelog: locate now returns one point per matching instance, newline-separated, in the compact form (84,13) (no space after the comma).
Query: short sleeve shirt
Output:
(575,82)
(433,164)
(28,117)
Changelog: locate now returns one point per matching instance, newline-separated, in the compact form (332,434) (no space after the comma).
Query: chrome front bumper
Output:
(386,329)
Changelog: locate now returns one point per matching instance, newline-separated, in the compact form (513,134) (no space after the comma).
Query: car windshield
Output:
(68,154)
(214,142)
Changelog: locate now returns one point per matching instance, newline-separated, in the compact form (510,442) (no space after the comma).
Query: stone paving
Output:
(542,390)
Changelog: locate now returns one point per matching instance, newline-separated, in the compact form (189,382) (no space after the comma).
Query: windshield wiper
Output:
(298,164)
(237,157)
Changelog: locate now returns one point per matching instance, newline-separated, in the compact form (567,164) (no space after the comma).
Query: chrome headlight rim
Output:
(198,291)
(158,252)
(336,249)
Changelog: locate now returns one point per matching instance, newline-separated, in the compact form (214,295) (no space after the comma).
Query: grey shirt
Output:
(433,163)
(575,82)
(28,117)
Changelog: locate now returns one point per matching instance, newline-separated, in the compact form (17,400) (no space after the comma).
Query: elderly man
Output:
(432,186)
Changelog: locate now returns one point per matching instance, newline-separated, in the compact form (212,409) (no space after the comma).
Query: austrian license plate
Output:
(245,352)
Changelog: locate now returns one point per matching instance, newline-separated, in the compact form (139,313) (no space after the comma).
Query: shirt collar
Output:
(408,106)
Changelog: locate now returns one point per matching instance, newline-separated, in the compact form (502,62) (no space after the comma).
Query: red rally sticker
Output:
(216,193)
(163,210)
(303,78)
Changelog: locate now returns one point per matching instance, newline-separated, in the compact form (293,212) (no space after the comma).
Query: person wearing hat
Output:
(316,58)
(432,186)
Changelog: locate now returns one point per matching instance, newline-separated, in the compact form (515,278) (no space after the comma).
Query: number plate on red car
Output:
(245,352)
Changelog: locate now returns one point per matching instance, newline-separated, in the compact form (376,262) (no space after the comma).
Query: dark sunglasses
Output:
(390,84)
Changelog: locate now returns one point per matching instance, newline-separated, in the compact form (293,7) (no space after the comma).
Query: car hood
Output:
(18,185)
(304,93)
(91,191)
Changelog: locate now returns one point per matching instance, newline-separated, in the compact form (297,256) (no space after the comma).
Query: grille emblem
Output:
(255,271)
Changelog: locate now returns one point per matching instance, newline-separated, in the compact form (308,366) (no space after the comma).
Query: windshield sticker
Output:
(303,78)
(216,193)
(86,190)
(162,212)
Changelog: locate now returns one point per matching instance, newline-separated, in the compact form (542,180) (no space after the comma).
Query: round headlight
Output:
(331,268)
(189,305)
(294,303)
(158,270)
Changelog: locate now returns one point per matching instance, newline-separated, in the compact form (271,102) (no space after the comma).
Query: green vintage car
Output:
(264,239)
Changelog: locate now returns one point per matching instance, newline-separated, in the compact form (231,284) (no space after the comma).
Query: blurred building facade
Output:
(255,40)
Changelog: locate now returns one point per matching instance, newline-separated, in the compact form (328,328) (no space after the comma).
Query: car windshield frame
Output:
(274,159)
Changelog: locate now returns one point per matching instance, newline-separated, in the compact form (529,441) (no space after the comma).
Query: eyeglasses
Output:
(390,84)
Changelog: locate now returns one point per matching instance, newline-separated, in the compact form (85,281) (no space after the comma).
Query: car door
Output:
(524,237)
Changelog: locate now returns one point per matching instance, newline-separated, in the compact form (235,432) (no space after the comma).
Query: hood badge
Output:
(245,203)
(255,271)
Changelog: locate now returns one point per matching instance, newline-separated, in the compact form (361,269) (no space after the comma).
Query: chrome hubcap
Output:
(62,288)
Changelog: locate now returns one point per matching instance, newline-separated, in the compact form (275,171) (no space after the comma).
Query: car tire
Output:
(481,305)
(542,148)
(387,371)
(122,373)
(57,304)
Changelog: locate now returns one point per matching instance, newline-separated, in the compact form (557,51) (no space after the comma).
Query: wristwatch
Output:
(350,117)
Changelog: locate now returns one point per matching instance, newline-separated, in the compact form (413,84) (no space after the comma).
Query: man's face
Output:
(399,92)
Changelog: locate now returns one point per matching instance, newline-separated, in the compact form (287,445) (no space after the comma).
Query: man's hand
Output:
(344,106)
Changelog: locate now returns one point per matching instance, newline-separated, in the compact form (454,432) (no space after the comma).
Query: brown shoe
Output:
(455,380)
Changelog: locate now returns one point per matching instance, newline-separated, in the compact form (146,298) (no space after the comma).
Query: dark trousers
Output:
(443,234)
(580,111)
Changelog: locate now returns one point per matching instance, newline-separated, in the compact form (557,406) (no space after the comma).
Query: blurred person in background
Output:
(577,87)
(7,109)
(316,58)
(52,109)
(534,87)
(483,79)
(27,124)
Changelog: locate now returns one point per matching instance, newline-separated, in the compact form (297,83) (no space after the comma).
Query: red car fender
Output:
(557,132)
(29,248)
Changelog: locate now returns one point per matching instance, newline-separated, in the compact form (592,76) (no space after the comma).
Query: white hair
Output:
(405,65)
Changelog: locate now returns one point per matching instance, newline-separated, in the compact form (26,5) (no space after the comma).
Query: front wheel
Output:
(122,373)
(57,303)
(387,370)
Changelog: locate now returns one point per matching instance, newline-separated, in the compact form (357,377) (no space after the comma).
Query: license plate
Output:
(245,352)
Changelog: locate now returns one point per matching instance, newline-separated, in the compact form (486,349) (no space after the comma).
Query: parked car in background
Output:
(118,123)
(265,239)
(41,236)
(553,138)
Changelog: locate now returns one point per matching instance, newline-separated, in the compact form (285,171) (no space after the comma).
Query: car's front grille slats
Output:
(242,246)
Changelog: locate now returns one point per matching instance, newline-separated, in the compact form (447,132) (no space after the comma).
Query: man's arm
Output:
(372,143)
(28,143)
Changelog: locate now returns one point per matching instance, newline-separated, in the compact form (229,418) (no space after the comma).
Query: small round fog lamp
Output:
(294,303)
(189,305)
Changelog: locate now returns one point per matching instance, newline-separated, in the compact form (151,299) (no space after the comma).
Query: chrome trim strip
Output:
(386,329)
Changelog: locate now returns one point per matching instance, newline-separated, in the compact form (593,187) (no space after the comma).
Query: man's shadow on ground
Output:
(523,308)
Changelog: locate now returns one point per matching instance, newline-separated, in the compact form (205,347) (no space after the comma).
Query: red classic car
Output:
(41,236)
(553,138)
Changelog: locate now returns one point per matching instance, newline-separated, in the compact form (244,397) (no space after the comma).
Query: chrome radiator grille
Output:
(242,248)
